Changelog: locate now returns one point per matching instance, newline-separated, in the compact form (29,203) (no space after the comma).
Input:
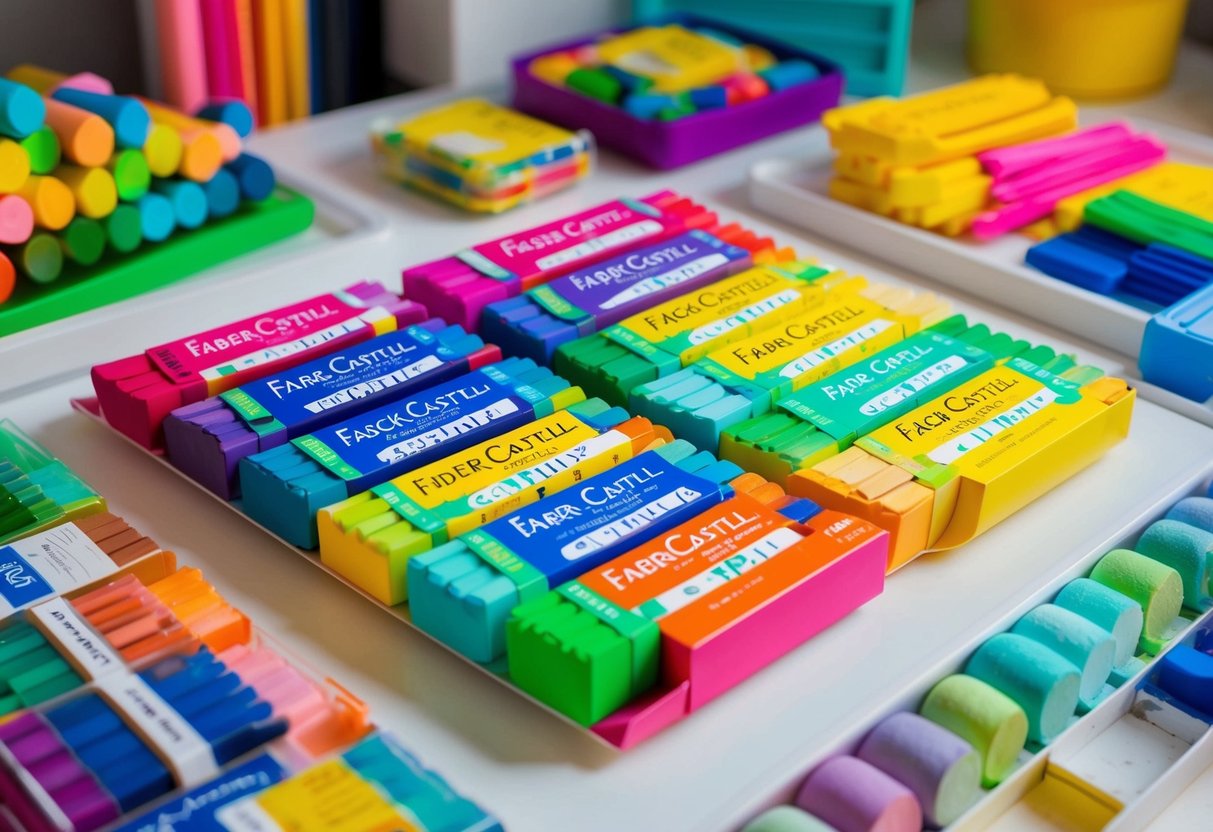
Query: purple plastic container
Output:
(671,144)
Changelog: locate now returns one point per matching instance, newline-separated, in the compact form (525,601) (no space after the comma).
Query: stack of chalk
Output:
(1023,688)
(84,171)
(671,72)
(481,156)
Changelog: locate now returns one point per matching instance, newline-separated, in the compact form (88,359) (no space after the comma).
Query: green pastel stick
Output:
(83,241)
(42,147)
(131,173)
(124,229)
(39,258)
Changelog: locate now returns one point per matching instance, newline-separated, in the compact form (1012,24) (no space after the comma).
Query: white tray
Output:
(41,354)
(796,192)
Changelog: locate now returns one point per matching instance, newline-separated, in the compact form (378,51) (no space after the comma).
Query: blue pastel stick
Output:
(1187,675)
(242,742)
(156,217)
(137,780)
(788,74)
(207,694)
(254,175)
(187,199)
(646,106)
(127,116)
(709,98)
(1195,511)
(235,114)
(22,110)
(1090,257)
(222,193)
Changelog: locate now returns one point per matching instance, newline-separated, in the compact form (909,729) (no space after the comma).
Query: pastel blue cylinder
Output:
(128,117)
(1186,549)
(156,216)
(1187,674)
(1195,511)
(1113,612)
(187,199)
(1037,679)
(1084,644)
(254,175)
(235,114)
(788,74)
(222,195)
(22,110)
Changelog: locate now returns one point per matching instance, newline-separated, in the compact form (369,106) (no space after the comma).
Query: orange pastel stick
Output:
(85,138)
(53,203)
(229,139)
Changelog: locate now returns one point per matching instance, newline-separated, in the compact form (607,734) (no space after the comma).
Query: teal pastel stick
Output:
(156,217)
(1086,645)
(222,195)
(128,117)
(1195,511)
(1040,681)
(187,199)
(463,597)
(235,114)
(255,176)
(1113,612)
(1187,550)
(22,110)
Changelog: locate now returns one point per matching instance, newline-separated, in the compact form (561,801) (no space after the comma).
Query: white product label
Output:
(817,357)
(528,477)
(47,564)
(176,742)
(600,538)
(75,638)
(954,449)
(374,385)
(719,327)
(651,285)
(619,237)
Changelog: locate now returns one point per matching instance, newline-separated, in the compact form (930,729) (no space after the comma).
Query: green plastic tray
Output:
(121,276)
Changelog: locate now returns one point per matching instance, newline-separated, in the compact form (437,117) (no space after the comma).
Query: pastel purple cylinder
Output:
(854,796)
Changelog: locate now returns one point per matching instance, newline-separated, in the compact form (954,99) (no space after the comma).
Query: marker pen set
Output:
(208,439)
(481,156)
(37,490)
(1026,686)
(590,299)
(87,171)
(137,393)
(376,784)
(457,288)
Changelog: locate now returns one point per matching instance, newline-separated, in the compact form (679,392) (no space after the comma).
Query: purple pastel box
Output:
(671,144)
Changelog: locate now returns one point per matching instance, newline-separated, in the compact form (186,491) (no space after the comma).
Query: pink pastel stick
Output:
(1055,174)
(16,219)
(998,221)
(222,48)
(1005,162)
(179,30)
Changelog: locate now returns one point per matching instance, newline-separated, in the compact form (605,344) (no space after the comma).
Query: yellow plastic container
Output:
(1085,48)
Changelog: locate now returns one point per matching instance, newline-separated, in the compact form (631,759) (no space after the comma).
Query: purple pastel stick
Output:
(86,804)
(853,796)
(57,770)
(942,770)
(19,727)
(34,746)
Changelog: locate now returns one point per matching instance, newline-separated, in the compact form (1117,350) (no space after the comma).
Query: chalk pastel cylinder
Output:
(14,166)
(1156,587)
(16,219)
(222,195)
(42,148)
(52,201)
(84,138)
(22,110)
(187,198)
(124,229)
(83,241)
(163,150)
(8,277)
(1195,511)
(254,175)
(982,716)
(1041,682)
(39,258)
(235,114)
(125,116)
(787,819)
(131,175)
(156,218)
(201,155)
(92,188)
(853,796)
(942,770)
(46,81)
(1186,549)
(788,74)
(228,138)
(1187,674)
(1087,646)
(1113,612)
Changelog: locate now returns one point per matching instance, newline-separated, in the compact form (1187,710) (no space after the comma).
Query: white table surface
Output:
(535,772)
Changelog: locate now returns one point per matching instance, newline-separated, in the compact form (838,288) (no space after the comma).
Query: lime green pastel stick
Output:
(83,241)
(39,258)
(124,229)
(131,174)
(42,147)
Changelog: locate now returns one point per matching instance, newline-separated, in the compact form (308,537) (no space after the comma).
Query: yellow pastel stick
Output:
(188,126)
(867,197)
(910,187)
(163,150)
(966,198)
(93,189)
(295,41)
(271,61)
(52,201)
(14,166)
(1174,184)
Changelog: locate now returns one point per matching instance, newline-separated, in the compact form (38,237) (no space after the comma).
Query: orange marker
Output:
(163,150)
(52,201)
(94,190)
(86,138)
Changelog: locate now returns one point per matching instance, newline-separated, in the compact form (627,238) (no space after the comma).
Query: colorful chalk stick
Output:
(131,175)
(42,147)
(16,219)
(92,188)
(84,138)
(53,202)
(22,110)
(128,118)
(163,150)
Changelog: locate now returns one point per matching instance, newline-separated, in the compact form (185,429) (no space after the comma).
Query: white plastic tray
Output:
(796,192)
(341,227)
